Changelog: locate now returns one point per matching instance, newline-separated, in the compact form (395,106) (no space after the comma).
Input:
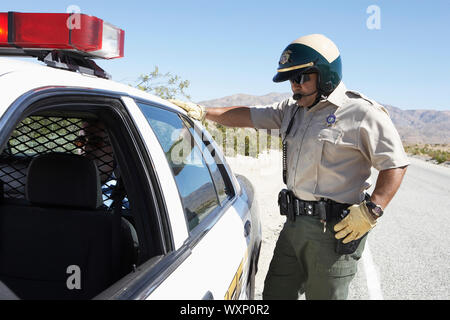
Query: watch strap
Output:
(375,209)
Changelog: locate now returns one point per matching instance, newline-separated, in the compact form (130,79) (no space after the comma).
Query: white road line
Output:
(373,281)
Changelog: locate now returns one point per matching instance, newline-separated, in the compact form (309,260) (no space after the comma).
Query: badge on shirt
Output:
(331,119)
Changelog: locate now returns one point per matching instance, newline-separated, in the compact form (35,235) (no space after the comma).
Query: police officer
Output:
(332,138)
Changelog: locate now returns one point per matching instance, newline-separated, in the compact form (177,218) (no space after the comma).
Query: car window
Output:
(54,165)
(189,168)
(223,192)
(37,135)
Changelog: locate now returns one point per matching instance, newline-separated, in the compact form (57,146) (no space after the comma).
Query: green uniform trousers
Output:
(305,261)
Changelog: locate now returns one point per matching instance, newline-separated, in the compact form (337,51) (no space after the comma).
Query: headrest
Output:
(60,179)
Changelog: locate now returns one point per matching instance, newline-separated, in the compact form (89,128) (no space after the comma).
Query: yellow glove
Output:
(195,111)
(356,224)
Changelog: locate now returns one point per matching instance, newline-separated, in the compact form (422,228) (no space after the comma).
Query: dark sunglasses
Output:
(301,78)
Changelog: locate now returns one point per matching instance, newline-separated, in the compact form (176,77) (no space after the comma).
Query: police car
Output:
(108,192)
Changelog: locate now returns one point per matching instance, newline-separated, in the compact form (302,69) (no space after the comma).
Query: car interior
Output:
(72,221)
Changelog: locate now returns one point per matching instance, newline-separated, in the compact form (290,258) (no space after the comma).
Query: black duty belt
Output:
(326,209)
(316,208)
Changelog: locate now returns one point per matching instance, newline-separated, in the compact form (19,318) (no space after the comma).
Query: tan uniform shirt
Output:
(334,160)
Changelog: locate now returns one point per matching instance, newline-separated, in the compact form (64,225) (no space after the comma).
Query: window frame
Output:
(40,100)
(200,230)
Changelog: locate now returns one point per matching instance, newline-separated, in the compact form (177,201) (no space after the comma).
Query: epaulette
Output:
(357,94)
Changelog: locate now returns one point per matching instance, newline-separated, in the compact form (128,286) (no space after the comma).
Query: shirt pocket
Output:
(332,135)
(338,153)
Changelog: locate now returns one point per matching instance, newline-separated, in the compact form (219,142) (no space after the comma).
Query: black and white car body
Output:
(109,192)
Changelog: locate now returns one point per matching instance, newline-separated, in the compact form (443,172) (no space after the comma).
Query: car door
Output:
(215,246)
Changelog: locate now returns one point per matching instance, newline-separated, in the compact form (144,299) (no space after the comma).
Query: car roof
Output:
(18,77)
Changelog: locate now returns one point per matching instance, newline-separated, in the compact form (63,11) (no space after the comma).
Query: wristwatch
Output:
(375,209)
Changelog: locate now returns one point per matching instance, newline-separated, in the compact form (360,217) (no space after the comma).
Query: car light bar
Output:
(89,36)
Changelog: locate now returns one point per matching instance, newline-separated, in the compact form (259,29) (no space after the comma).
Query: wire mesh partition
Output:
(38,135)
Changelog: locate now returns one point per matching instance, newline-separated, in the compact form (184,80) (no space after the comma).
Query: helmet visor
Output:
(301,78)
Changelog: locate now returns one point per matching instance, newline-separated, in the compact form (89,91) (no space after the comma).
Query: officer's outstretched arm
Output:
(238,116)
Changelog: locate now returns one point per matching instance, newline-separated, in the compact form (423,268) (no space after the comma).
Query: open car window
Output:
(77,204)
(38,135)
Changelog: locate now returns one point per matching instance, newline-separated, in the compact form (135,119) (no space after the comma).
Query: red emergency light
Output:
(86,35)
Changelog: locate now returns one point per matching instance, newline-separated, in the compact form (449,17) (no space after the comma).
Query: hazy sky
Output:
(229,47)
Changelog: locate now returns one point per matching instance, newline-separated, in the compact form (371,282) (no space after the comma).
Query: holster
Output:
(286,204)
(350,247)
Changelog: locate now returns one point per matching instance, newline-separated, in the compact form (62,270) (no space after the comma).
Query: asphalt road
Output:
(407,255)
(409,249)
